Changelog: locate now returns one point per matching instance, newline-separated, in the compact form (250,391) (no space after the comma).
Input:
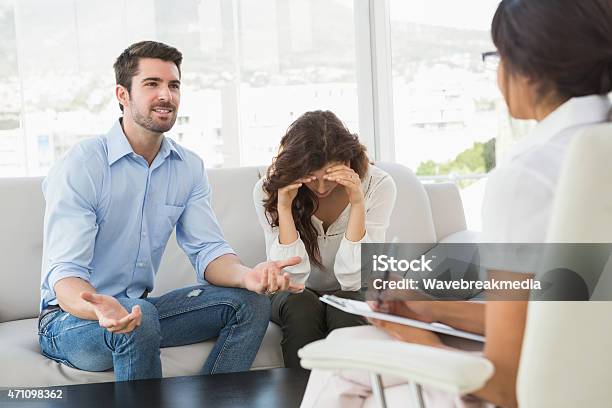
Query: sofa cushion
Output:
(411,219)
(24,366)
(22,210)
(446,208)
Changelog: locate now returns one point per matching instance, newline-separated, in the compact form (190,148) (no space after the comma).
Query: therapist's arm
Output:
(462,315)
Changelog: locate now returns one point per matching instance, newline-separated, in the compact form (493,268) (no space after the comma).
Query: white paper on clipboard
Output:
(363,309)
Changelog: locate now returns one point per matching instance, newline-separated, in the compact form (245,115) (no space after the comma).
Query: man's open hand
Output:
(268,277)
(111,314)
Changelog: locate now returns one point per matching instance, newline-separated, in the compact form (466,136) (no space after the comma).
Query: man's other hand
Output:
(269,278)
(111,314)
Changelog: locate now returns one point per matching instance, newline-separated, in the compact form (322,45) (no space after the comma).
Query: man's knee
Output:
(256,306)
(149,311)
(244,306)
(149,330)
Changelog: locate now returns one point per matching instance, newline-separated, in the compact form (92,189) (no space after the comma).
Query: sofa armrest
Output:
(450,371)
(446,209)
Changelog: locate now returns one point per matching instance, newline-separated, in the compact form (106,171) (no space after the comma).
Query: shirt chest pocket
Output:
(165,221)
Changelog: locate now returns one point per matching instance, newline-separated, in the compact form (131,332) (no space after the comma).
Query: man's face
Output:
(154,98)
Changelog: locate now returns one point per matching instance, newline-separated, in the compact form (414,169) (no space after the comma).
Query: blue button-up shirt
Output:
(109,215)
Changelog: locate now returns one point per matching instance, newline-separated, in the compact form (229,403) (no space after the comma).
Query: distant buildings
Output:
(248,73)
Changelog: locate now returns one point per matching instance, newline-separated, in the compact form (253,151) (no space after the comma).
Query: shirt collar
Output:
(168,147)
(580,111)
(118,145)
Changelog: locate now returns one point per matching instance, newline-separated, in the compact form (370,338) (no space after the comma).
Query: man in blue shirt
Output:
(111,204)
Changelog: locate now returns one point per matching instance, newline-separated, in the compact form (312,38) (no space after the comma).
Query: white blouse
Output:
(518,200)
(340,257)
(518,197)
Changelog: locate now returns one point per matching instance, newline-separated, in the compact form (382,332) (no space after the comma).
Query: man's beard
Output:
(147,121)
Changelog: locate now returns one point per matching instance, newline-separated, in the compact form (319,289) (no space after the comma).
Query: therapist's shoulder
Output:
(519,180)
(535,168)
(517,203)
(540,167)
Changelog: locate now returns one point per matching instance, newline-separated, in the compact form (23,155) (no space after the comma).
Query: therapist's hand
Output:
(111,314)
(408,334)
(422,310)
(269,277)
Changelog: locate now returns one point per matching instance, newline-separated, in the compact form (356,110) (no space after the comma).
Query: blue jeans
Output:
(237,317)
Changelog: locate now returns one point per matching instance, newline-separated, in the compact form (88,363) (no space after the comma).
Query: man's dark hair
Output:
(126,65)
(564,45)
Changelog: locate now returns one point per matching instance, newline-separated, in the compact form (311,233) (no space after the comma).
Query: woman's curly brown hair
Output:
(312,141)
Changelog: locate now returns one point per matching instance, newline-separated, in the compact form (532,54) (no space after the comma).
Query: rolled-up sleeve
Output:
(70,226)
(198,232)
(379,205)
(276,251)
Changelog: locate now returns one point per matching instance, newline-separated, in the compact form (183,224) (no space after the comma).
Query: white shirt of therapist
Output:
(522,188)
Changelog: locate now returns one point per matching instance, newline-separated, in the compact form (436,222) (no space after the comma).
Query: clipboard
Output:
(363,309)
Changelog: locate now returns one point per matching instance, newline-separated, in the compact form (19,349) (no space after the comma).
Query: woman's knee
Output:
(301,306)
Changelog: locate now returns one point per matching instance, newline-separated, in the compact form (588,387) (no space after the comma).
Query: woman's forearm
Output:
(505,329)
(286,227)
(355,229)
(462,315)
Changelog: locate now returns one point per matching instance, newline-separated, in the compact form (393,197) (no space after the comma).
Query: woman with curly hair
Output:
(320,200)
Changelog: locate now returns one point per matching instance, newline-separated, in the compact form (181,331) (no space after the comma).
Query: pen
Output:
(386,274)
(380,291)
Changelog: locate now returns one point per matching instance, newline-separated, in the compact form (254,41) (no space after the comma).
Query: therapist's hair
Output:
(126,65)
(565,46)
(314,140)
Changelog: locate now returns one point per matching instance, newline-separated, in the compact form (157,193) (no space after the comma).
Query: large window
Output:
(406,75)
(445,99)
(12,155)
(251,67)
(451,122)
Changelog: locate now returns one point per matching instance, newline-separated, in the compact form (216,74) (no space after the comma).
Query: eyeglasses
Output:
(491,60)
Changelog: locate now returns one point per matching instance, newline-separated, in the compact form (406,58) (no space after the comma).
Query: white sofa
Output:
(423,213)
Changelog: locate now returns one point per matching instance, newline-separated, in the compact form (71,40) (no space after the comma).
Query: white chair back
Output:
(567,349)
